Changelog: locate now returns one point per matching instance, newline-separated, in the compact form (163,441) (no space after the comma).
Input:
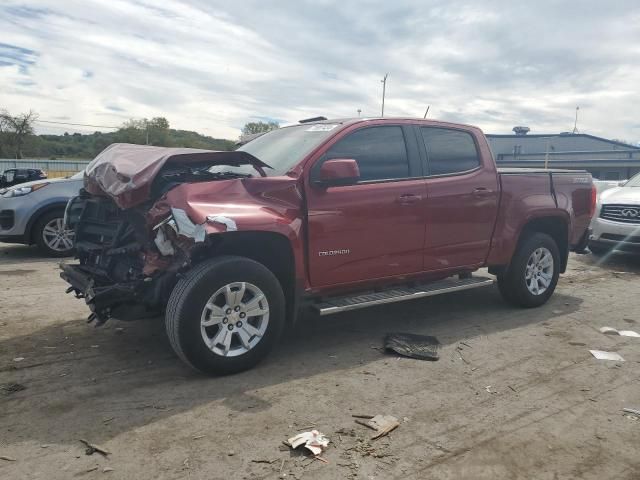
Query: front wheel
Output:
(225,315)
(533,273)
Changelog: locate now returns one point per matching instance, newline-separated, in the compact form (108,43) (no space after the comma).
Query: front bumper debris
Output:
(104,301)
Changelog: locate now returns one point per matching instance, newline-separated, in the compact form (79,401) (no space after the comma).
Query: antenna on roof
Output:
(425,113)
(575,124)
(312,119)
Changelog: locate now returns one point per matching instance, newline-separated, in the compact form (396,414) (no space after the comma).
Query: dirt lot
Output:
(520,398)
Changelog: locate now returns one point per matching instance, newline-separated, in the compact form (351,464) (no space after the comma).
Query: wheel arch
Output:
(35,218)
(273,250)
(556,226)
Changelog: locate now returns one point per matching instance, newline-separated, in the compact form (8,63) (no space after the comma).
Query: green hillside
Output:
(81,146)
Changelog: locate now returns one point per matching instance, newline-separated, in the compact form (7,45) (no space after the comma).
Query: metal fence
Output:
(53,168)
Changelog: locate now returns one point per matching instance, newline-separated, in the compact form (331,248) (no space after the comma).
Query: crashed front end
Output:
(131,246)
(119,274)
(126,268)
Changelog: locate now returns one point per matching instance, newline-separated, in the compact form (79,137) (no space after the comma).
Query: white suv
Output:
(616,224)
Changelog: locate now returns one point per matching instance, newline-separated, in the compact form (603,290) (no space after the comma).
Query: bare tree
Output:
(4,136)
(19,127)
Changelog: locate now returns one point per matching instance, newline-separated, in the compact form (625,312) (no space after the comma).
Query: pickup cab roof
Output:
(427,122)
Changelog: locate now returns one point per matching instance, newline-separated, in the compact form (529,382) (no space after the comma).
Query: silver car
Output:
(33,212)
(616,224)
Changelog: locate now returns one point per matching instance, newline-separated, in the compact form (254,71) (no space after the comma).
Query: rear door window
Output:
(449,151)
(381,152)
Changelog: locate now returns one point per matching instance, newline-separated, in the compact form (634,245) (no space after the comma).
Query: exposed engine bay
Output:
(112,246)
(131,249)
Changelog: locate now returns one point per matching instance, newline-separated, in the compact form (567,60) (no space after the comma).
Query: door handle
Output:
(408,199)
(482,192)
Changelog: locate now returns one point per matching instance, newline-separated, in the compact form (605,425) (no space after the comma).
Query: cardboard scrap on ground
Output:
(601,355)
(314,441)
(623,333)
(382,424)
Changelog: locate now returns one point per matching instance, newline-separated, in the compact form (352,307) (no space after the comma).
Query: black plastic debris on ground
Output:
(9,388)
(422,347)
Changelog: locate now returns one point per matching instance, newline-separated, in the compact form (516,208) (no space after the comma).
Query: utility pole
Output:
(575,124)
(546,156)
(425,113)
(384,88)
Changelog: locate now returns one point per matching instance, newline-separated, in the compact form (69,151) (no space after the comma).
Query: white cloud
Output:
(213,66)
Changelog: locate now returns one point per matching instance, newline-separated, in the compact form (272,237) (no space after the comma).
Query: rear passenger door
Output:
(375,228)
(462,199)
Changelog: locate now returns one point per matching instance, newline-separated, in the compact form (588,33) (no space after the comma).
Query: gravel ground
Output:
(515,394)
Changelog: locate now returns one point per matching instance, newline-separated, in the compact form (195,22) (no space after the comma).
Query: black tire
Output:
(38,235)
(598,249)
(512,283)
(187,302)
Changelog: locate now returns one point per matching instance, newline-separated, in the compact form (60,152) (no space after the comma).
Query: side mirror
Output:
(339,171)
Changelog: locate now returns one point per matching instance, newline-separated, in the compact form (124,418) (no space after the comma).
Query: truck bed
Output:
(528,193)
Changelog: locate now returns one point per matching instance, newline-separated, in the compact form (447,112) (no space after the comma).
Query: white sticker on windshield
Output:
(321,127)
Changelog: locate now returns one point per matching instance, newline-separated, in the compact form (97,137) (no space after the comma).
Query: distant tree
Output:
(158,129)
(4,135)
(18,128)
(145,132)
(259,127)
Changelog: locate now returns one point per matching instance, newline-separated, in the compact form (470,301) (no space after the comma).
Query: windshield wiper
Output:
(191,174)
(226,174)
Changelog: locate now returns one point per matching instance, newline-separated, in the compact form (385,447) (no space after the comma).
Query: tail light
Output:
(594,200)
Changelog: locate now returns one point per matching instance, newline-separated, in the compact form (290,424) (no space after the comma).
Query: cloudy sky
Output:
(212,66)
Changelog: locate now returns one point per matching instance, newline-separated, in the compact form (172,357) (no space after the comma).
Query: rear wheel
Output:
(52,237)
(533,273)
(225,315)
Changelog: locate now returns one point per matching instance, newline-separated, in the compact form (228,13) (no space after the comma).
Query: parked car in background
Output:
(616,224)
(330,216)
(16,176)
(33,213)
(603,185)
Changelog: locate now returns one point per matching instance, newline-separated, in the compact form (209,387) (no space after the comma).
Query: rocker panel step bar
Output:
(399,294)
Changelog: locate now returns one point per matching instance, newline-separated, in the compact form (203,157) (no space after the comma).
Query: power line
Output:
(77,124)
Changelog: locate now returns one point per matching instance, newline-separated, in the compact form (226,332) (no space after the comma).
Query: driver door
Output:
(374,228)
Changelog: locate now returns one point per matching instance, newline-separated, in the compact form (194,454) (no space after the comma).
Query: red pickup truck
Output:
(331,215)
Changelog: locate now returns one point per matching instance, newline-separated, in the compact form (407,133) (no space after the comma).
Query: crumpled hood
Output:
(126,171)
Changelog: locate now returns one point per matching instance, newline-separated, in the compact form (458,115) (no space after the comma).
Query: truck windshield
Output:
(285,147)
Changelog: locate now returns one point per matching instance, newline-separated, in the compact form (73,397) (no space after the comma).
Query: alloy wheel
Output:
(234,319)
(57,237)
(539,271)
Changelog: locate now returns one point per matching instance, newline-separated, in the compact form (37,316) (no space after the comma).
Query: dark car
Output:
(15,176)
